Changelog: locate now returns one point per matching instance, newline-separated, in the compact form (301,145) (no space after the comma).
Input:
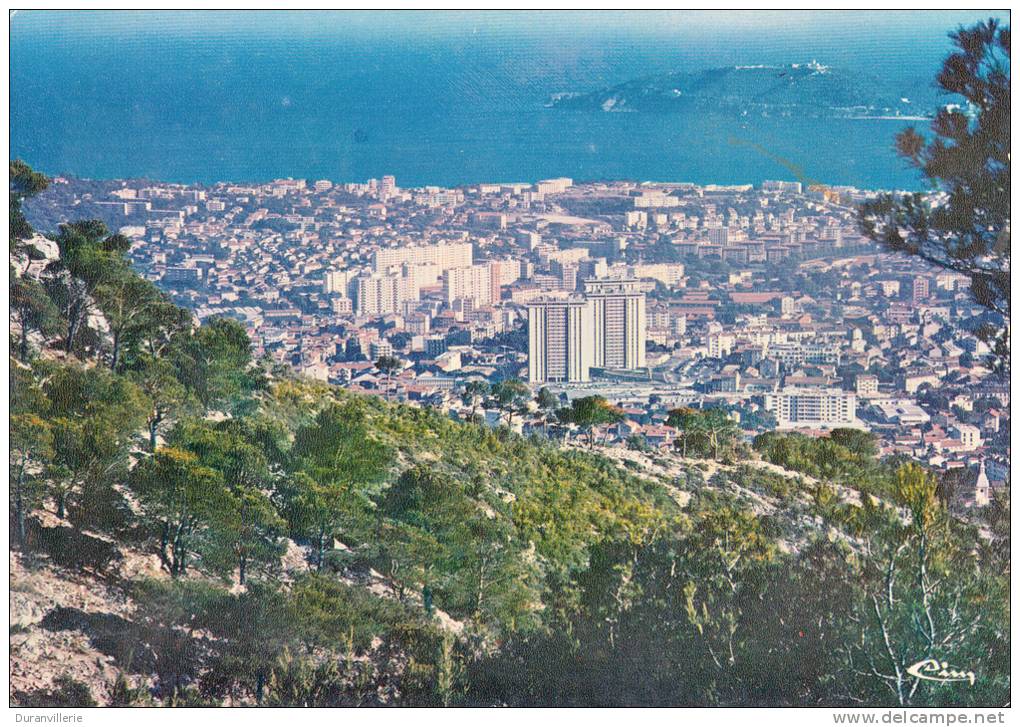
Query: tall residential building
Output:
(377,295)
(424,276)
(812,407)
(506,271)
(388,187)
(620,325)
(720,345)
(444,256)
(567,274)
(920,290)
(473,283)
(482,283)
(560,340)
(337,281)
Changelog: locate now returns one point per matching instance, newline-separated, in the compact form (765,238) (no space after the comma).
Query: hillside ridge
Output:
(796,88)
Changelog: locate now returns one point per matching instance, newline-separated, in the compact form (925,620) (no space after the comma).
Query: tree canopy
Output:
(965,226)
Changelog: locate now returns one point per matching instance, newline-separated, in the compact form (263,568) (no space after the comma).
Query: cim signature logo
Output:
(933,670)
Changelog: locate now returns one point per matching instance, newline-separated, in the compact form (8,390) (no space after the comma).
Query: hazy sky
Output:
(545,43)
(649,23)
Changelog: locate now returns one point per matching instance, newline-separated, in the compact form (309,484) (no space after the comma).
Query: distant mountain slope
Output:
(798,88)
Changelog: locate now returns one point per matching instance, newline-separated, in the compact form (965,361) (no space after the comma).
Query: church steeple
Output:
(982,488)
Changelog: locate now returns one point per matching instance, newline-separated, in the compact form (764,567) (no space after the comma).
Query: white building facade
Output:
(561,344)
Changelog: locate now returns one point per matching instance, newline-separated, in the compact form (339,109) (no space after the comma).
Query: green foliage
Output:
(263,630)
(167,616)
(546,400)
(860,443)
(302,682)
(24,182)
(766,483)
(588,413)
(968,159)
(167,396)
(921,595)
(577,583)
(703,432)
(122,694)
(33,310)
(335,466)
(214,362)
(30,450)
(90,258)
(638,443)
(510,397)
(339,448)
(94,417)
(256,627)
(845,455)
(182,500)
(248,528)
(465,552)
(475,392)
(130,304)
(329,609)
(388,365)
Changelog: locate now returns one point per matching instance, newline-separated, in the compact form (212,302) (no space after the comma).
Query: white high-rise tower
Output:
(620,325)
(560,340)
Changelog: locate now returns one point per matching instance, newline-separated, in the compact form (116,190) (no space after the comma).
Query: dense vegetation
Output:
(444,563)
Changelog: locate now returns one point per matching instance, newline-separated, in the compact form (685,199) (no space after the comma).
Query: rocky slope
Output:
(69,610)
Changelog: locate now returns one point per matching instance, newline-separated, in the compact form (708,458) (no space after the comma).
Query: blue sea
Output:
(440,98)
